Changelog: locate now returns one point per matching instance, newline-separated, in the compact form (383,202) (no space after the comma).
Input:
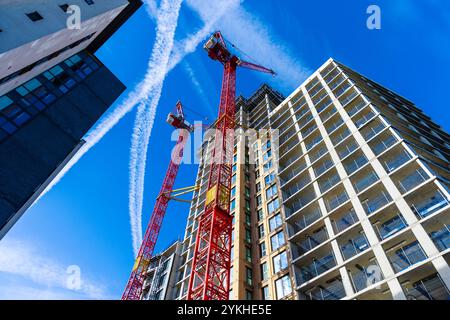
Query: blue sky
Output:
(84,219)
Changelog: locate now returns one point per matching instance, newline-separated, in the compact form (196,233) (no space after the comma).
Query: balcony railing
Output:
(328,183)
(317,154)
(363,279)
(297,186)
(371,132)
(429,206)
(306,220)
(313,143)
(324,104)
(360,105)
(300,203)
(384,144)
(324,166)
(407,256)
(334,125)
(365,182)
(354,246)
(430,288)
(336,201)
(317,267)
(391,227)
(348,98)
(293,173)
(341,136)
(347,149)
(441,238)
(364,119)
(398,161)
(344,222)
(313,241)
(373,204)
(352,166)
(413,180)
(332,291)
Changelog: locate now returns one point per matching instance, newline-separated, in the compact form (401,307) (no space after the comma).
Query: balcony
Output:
(307,218)
(298,203)
(364,118)
(296,186)
(290,174)
(438,228)
(354,163)
(353,243)
(364,272)
(330,290)
(337,122)
(307,242)
(329,181)
(388,224)
(331,74)
(354,107)
(324,116)
(395,159)
(409,178)
(370,131)
(309,129)
(424,285)
(364,179)
(347,148)
(337,198)
(343,219)
(322,166)
(348,97)
(427,202)
(384,142)
(315,267)
(312,142)
(316,154)
(318,97)
(406,256)
(378,199)
(342,88)
(339,135)
(324,104)
(337,82)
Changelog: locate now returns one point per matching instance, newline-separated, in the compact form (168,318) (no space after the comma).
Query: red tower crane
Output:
(210,273)
(135,283)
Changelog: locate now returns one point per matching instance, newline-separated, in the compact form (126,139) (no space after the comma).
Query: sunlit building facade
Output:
(346,197)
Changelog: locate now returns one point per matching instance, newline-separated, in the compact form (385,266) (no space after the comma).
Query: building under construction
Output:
(346,197)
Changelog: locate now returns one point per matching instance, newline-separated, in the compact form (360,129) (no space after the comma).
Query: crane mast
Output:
(210,272)
(135,283)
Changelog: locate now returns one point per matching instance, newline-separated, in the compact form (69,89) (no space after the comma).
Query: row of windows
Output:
(23,103)
(36,16)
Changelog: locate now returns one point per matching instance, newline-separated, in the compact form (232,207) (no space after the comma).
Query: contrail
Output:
(168,19)
(141,92)
(143,127)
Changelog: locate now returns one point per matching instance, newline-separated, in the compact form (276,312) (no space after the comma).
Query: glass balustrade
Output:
(373,204)
(344,222)
(365,182)
(354,246)
(407,256)
(432,204)
(306,220)
(390,227)
(412,180)
(336,201)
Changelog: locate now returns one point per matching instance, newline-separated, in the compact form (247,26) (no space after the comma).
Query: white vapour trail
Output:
(168,19)
(142,131)
(181,49)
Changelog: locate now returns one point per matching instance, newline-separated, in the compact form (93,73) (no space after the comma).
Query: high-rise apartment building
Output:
(161,274)
(346,197)
(52,91)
